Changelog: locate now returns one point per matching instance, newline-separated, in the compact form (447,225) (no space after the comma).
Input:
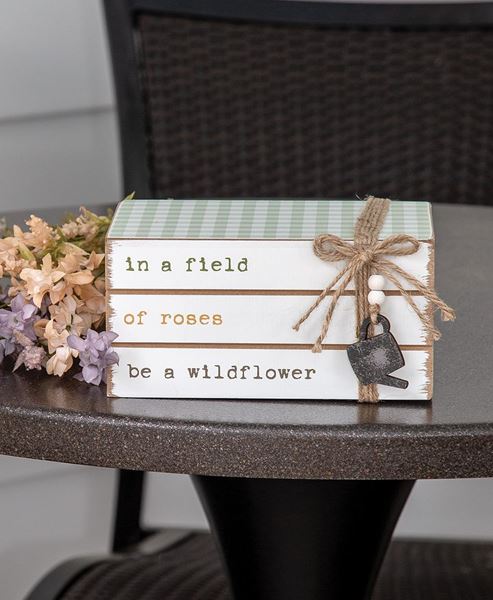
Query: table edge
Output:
(366,451)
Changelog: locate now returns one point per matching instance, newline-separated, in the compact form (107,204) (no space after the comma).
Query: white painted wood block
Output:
(247,319)
(241,373)
(270,264)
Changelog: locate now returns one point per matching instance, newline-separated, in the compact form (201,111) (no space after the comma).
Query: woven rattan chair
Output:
(187,567)
(262,98)
(303,99)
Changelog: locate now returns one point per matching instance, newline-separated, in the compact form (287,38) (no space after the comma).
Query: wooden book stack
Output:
(203,295)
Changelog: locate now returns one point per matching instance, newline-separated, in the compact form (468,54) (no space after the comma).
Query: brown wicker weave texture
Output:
(243,109)
(411,571)
(190,571)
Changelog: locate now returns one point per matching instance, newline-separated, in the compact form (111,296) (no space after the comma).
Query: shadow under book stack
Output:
(203,295)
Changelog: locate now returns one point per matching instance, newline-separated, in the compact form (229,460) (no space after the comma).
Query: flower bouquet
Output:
(52,304)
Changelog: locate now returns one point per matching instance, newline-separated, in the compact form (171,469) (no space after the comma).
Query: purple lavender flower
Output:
(19,318)
(95,355)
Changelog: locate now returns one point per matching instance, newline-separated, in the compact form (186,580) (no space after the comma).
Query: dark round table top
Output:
(64,420)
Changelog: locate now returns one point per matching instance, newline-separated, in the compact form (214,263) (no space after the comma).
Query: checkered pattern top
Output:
(260,219)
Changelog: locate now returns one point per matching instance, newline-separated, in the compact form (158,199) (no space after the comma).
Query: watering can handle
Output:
(363,332)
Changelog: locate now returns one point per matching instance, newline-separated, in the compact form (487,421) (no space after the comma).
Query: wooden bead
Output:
(376,297)
(376,282)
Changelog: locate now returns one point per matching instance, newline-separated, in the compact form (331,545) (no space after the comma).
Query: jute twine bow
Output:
(368,255)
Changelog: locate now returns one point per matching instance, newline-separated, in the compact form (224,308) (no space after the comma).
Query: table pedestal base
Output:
(302,539)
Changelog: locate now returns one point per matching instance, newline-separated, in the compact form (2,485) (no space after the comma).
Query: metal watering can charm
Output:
(374,358)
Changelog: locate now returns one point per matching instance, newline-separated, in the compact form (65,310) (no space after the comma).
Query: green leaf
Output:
(25,253)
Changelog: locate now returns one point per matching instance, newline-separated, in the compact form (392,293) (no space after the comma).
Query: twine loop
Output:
(332,248)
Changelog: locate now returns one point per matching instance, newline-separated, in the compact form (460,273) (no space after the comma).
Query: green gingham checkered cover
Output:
(260,219)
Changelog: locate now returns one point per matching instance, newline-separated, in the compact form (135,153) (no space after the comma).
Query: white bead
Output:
(376,297)
(376,282)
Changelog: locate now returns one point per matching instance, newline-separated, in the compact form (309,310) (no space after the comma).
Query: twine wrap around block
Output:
(368,255)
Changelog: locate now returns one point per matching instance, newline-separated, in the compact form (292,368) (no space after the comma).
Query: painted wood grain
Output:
(255,319)
(270,264)
(253,373)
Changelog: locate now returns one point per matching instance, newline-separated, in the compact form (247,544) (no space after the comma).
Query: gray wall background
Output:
(59,147)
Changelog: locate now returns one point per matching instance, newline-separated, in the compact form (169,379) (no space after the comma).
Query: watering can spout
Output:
(393,382)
